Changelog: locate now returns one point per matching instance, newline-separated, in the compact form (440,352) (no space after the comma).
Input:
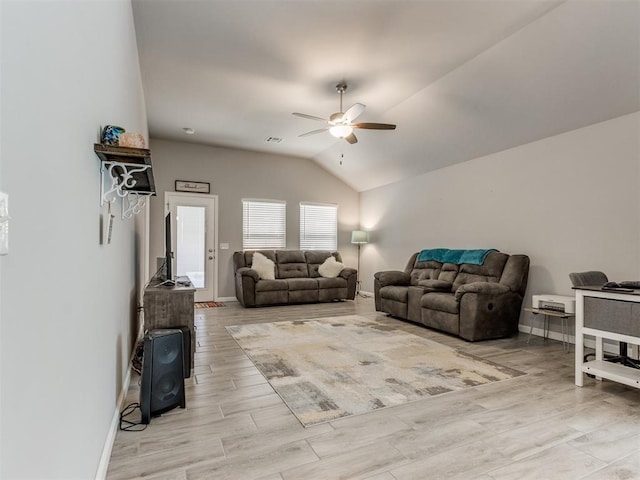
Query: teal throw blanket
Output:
(445,255)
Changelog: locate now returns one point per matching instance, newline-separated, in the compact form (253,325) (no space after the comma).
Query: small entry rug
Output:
(208,304)
(334,367)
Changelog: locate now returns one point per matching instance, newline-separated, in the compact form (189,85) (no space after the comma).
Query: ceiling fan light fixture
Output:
(341,131)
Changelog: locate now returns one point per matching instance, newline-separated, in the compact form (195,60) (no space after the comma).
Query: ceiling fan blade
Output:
(310,117)
(313,132)
(353,112)
(374,126)
(351,138)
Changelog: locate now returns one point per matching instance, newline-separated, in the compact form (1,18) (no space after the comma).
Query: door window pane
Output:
(190,236)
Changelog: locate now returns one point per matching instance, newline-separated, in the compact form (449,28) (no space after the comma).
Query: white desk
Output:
(611,315)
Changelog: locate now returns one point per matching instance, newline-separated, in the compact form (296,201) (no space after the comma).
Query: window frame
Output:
(261,220)
(307,234)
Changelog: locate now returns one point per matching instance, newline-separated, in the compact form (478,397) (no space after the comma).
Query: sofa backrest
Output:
(429,270)
(315,258)
(245,258)
(289,263)
(516,273)
(512,270)
(489,271)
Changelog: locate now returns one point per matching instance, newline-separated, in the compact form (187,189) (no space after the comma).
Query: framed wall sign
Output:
(195,187)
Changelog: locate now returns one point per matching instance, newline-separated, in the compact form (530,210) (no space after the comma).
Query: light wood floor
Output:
(539,426)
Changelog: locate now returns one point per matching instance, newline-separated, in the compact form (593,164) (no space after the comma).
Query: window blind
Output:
(318,226)
(263,224)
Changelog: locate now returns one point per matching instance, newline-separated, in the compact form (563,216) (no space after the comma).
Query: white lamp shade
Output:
(359,236)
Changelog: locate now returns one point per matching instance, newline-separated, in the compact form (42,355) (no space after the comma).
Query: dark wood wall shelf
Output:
(132,157)
(130,173)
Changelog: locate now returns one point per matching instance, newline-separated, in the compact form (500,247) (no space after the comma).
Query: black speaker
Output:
(186,350)
(162,383)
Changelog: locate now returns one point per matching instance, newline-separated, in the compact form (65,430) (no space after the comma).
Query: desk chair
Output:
(594,278)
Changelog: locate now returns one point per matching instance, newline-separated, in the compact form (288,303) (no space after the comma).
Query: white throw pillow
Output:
(266,268)
(330,268)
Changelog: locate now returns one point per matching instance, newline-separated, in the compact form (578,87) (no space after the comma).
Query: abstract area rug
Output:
(334,367)
(208,304)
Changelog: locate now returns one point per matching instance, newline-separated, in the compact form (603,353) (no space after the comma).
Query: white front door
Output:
(194,240)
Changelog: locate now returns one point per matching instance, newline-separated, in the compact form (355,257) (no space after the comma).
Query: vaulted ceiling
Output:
(461,79)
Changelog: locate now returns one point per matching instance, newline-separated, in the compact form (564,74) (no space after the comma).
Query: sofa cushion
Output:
(304,296)
(293,270)
(302,283)
(291,264)
(425,271)
(449,272)
(489,271)
(248,255)
(264,266)
(290,256)
(271,285)
(330,268)
(443,302)
(317,258)
(336,282)
(439,285)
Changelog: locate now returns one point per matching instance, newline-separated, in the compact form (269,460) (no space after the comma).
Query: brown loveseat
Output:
(296,279)
(475,302)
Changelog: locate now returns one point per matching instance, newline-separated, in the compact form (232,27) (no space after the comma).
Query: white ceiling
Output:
(461,79)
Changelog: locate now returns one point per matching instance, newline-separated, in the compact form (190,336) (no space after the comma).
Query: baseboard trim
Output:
(227,299)
(103,466)
(608,347)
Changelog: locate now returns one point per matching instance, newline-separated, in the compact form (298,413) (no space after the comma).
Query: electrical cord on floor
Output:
(128,425)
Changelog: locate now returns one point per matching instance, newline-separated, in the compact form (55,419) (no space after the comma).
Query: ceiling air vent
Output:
(273,140)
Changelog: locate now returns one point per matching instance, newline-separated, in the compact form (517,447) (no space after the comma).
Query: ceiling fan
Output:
(341,124)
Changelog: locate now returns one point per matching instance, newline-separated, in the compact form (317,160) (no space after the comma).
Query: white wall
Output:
(237,174)
(571,202)
(68,303)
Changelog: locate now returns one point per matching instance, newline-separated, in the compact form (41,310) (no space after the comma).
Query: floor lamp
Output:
(359,237)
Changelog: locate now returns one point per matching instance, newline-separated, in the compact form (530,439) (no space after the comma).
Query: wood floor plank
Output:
(236,427)
(266,463)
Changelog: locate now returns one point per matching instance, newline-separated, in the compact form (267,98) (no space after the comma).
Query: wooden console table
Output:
(606,314)
(170,307)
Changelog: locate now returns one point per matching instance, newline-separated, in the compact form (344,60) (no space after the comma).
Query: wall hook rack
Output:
(130,174)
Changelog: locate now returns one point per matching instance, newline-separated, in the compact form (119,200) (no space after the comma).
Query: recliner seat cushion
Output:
(271,285)
(443,302)
(302,283)
(335,282)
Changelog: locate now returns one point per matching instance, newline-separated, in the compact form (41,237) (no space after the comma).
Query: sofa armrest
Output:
(487,288)
(393,277)
(346,272)
(247,272)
